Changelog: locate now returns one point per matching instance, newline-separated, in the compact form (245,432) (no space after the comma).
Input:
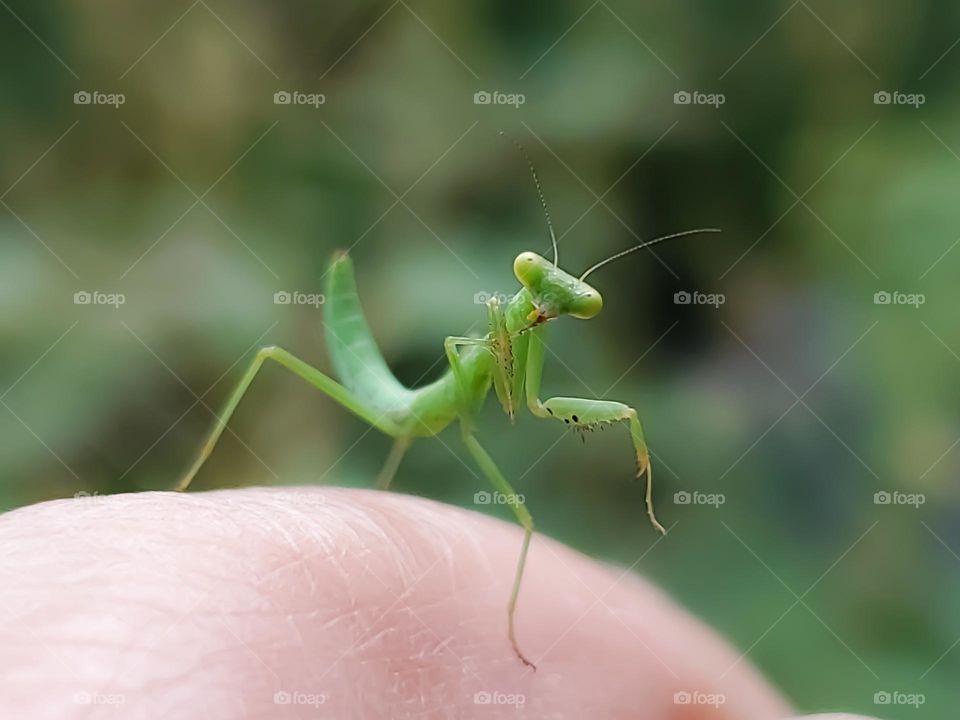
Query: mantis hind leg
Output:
(319,380)
(500,484)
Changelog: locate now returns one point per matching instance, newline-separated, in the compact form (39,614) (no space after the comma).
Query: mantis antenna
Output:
(646,244)
(543,202)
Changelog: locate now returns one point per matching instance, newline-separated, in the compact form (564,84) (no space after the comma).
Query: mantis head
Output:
(555,292)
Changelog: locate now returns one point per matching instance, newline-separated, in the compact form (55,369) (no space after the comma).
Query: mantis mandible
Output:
(509,358)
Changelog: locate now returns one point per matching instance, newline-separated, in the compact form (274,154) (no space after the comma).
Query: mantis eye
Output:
(586,305)
(528,267)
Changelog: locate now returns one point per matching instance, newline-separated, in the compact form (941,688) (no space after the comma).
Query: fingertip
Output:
(238,597)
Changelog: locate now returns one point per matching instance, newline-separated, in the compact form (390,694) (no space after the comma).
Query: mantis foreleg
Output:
(504,368)
(583,414)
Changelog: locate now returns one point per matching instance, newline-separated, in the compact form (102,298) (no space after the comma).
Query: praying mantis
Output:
(510,358)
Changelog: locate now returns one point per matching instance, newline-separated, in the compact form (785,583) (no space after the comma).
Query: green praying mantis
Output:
(509,357)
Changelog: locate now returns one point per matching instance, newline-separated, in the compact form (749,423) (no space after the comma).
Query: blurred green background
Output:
(797,399)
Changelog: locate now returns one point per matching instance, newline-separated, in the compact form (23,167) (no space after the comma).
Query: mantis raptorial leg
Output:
(585,414)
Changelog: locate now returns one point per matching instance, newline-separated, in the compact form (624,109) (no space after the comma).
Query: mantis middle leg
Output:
(489,468)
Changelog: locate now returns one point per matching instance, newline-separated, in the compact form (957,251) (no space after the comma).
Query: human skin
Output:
(334,603)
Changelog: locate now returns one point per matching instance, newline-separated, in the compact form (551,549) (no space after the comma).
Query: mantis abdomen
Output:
(362,369)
